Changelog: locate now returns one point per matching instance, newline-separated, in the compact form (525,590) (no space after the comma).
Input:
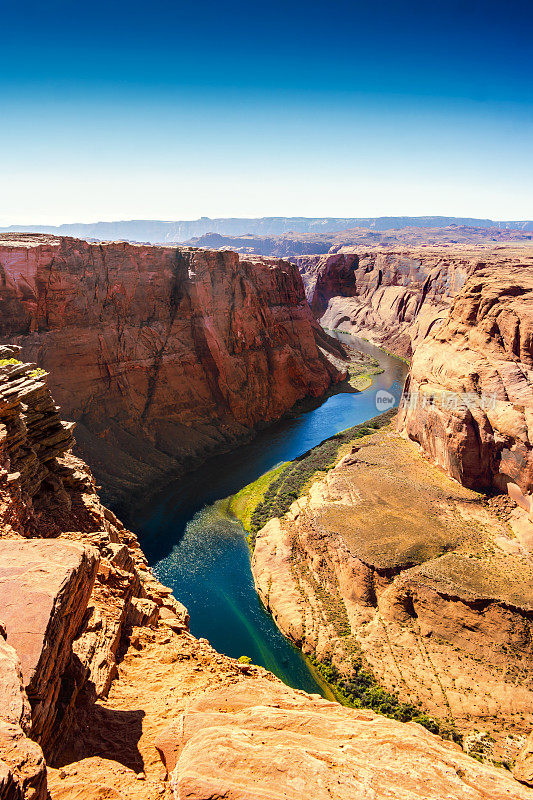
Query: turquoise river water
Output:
(202,553)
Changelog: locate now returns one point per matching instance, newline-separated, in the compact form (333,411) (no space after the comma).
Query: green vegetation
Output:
(361,377)
(244,660)
(272,494)
(361,690)
(37,373)
(6,362)
(242,504)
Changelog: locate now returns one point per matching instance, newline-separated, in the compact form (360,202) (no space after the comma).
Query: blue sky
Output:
(176,110)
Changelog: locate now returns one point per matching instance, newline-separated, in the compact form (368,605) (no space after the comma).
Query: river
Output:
(202,553)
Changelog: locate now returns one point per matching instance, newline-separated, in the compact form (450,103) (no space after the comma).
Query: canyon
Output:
(162,355)
(398,559)
(404,559)
(105,693)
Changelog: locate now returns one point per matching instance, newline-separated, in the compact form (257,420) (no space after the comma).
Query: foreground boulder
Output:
(22,764)
(44,590)
(260,740)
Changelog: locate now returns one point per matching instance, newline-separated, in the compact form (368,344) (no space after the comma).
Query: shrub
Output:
(6,362)
(360,689)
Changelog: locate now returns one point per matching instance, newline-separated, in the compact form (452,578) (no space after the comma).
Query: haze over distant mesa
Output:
(209,232)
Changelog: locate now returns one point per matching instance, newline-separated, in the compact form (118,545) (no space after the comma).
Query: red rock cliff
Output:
(395,297)
(161,354)
(471,383)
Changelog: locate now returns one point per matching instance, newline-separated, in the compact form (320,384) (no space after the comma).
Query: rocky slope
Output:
(387,562)
(395,297)
(104,692)
(162,354)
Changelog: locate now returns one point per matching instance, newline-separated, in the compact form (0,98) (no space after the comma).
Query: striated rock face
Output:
(470,387)
(395,297)
(73,581)
(391,297)
(388,560)
(523,769)
(44,590)
(162,354)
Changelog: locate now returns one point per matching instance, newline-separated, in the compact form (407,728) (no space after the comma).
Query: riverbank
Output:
(405,589)
(198,550)
(273,493)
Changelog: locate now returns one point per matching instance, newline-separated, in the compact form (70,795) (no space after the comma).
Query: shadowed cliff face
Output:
(161,354)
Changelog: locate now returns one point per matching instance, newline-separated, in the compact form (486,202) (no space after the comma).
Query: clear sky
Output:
(174,110)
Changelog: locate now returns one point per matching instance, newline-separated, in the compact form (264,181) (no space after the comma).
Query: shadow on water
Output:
(202,554)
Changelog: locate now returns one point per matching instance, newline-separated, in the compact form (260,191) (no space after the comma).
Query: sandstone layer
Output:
(161,354)
(101,676)
(469,394)
(258,740)
(395,297)
(389,562)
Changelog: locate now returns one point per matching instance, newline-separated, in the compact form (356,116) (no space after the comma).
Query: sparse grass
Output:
(243,504)
(360,689)
(360,376)
(261,502)
(7,362)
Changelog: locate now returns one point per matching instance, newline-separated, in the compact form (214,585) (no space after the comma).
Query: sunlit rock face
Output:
(162,354)
(470,390)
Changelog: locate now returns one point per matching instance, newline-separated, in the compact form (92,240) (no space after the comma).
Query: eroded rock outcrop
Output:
(469,394)
(73,581)
(45,587)
(162,354)
(22,764)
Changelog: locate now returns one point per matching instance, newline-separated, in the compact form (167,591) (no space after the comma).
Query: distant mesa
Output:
(179,231)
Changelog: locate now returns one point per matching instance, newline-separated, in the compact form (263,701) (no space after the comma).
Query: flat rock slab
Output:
(245,745)
(45,586)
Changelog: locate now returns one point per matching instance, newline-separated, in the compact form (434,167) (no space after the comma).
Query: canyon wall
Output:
(389,560)
(469,394)
(395,297)
(161,354)
(387,564)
